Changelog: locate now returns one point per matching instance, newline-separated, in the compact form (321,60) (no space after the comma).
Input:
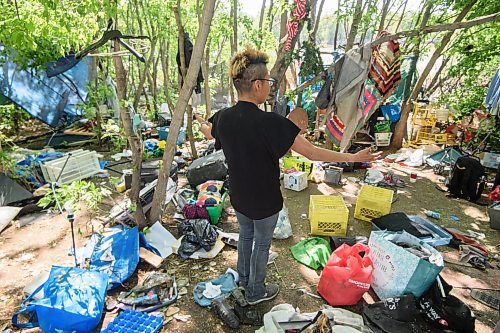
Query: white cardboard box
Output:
(491,160)
(296,181)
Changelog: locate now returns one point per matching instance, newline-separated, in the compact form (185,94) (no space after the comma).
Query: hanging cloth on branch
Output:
(364,82)
(292,26)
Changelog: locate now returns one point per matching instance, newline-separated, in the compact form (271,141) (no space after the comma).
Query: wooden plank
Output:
(150,257)
(79,131)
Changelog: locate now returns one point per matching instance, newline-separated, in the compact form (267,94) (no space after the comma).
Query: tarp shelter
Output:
(10,191)
(47,99)
(493,96)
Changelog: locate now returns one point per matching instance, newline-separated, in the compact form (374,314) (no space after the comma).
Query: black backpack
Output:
(467,180)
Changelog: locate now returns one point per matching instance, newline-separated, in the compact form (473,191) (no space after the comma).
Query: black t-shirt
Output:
(253,142)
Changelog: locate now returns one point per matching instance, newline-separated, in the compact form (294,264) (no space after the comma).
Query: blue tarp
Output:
(47,99)
(493,95)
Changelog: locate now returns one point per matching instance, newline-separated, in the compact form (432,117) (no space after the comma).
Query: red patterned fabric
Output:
(292,26)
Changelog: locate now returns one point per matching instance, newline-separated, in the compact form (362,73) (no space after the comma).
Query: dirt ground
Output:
(27,251)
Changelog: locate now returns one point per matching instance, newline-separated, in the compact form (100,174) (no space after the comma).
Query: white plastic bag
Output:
(283,227)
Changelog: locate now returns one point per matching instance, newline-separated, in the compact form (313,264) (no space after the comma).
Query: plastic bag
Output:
(73,301)
(347,275)
(197,234)
(117,255)
(283,227)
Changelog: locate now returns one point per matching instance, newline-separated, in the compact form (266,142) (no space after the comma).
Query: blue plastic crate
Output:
(130,321)
(439,236)
(163,134)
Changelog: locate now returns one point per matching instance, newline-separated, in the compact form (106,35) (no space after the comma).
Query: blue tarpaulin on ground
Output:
(47,99)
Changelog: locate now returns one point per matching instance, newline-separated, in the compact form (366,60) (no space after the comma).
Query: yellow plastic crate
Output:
(328,215)
(373,202)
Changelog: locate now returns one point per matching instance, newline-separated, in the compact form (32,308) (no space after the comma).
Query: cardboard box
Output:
(296,181)
(491,160)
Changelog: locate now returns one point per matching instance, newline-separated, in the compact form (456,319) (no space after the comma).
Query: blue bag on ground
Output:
(116,255)
(226,283)
(73,301)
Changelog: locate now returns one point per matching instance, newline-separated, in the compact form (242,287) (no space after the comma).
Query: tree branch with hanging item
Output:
(180,107)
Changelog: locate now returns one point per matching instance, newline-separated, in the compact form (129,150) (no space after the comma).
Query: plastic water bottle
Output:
(433,214)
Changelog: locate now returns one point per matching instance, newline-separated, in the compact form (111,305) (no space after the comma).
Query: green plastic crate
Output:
(215,211)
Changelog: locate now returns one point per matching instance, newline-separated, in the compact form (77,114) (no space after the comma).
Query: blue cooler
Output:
(163,134)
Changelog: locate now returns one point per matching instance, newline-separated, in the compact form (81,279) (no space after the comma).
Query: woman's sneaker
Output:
(272,291)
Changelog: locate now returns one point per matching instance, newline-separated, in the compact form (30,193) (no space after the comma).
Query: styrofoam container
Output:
(296,181)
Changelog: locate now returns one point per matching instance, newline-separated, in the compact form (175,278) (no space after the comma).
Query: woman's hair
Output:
(246,66)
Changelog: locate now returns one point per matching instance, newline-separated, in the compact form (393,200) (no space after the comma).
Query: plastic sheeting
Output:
(47,99)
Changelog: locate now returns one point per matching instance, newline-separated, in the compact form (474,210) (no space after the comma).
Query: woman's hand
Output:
(366,155)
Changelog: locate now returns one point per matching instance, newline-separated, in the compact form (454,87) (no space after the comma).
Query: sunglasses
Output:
(272,82)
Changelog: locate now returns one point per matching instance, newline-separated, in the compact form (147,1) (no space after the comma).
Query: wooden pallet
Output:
(79,131)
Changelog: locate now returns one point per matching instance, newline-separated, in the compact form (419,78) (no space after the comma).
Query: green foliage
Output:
(86,193)
(11,118)
(44,30)
(310,58)
(115,134)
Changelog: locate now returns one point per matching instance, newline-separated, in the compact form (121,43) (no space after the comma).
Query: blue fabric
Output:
(226,281)
(117,255)
(391,112)
(31,163)
(73,301)
(46,99)
(493,95)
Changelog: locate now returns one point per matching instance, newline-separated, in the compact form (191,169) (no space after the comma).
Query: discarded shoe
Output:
(248,315)
(272,291)
(237,294)
(225,312)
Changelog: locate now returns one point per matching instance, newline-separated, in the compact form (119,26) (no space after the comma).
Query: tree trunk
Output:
(185,93)
(435,79)
(164,65)
(385,8)
(283,20)
(261,21)
(337,26)
(134,141)
(270,15)
(234,42)
(318,18)
(280,65)
(406,106)
(189,129)
(402,16)
(182,54)
(140,87)
(358,13)
(206,74)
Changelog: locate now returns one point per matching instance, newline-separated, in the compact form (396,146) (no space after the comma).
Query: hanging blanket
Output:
(383,76)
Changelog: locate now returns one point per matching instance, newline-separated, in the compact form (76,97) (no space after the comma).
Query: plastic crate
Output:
(438,236)
(75,165)
(215,211)
(328,215)
(163,134)
(130,321)
(425,136)
(383,139)
(373,202)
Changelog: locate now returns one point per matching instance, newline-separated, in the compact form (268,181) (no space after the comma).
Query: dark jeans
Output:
(252,264)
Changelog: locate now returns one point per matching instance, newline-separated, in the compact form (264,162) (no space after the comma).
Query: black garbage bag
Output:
(446,312)
(395,314)
(198,234)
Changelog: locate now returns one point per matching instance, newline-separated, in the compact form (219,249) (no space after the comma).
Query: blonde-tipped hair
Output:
(246,66)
